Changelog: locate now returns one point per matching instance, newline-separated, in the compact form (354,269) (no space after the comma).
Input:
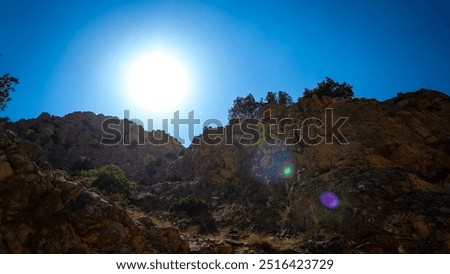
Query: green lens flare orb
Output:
(287,171)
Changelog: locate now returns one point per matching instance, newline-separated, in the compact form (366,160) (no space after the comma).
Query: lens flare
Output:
(287,171)
(329,200)
(271,164)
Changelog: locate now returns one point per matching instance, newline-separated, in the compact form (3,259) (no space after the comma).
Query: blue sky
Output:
(73,55)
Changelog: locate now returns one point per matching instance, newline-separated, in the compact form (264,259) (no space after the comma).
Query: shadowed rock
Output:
(41,212)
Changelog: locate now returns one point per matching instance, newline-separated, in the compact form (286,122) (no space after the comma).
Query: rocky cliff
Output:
(410,131)
(41,212)
(380,184)
(74,142)
(322,175)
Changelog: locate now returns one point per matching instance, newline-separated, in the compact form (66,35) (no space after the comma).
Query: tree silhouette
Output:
(243,108)
(284,98)
(7,83)
(271,97)
(330,88)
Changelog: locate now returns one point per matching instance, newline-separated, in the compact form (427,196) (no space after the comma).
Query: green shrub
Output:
(198,212)
(190,205)
(111,179)
(88,176)
(82,163)
(330,88)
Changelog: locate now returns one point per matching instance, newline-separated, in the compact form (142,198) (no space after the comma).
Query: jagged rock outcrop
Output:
(41,212)
(390,174)
(74,142)
(410,131)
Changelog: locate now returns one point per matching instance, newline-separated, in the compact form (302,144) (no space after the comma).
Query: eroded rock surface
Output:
(41,212)
(74,142)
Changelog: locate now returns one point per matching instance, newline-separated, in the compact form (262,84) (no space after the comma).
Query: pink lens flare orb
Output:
(329,200)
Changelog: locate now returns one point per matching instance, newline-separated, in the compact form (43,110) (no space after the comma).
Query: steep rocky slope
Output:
(410,131)
(73,142)
(385,188)
(41,212)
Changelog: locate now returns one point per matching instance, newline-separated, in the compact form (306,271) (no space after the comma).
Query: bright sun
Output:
(157,82)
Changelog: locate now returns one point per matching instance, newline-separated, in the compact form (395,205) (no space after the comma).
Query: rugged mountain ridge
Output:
(73,142)
(410,131)
(384,188)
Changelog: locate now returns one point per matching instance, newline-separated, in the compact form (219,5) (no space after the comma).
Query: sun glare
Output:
(157,82)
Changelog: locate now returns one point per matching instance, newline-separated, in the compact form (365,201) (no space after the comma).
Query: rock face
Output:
(390,175)
(410,131)
(41,212)
(74,142)
(359,176)
(378,210)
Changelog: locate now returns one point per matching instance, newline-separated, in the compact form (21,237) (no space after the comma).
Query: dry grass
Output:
(192,230)
(135,214)
(224,234)
(160,223)
(258,239)
(271,243)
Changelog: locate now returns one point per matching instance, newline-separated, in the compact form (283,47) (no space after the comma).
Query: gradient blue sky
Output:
(71,55)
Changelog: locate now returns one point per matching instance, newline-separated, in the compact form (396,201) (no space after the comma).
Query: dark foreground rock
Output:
(378,210)
(41,212)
